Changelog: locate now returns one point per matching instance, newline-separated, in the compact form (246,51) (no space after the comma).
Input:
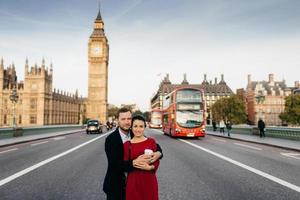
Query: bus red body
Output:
(184,113)
(155,118)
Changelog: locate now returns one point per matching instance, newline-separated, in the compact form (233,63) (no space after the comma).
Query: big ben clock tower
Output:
(98,53)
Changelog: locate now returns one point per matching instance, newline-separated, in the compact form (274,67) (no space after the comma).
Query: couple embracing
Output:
(130,153)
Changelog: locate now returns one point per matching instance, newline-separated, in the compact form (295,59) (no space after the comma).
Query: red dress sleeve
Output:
(154,148)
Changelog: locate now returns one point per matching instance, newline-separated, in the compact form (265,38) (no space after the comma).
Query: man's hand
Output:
(144,161)
(141,160)
(155,156)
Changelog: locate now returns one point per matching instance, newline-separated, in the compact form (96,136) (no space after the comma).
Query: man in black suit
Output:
(261,126)
(114,182)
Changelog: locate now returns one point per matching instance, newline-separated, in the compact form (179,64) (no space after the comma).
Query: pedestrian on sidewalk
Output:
(222,126)
(228,127)
(214,124)
(261,126)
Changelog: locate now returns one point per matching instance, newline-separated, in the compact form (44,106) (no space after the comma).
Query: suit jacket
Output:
(114,182)
(261,124)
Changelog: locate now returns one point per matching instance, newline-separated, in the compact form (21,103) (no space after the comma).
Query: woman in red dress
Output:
(141,184)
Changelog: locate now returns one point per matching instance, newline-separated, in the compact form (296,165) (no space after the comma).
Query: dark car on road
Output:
(93,126)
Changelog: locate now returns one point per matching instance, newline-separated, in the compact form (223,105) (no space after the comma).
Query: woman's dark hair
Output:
(138,117)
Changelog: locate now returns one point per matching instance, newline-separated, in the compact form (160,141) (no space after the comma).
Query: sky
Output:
(150,38)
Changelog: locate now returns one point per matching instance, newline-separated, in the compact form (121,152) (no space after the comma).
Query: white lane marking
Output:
(292,155)
(219,140)
(29,169)
(59,138)
(248,146)
(39,143)
(8,150)
(256,171)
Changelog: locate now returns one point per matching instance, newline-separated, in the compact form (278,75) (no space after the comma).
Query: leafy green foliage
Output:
(112,112)
(138,112)
(291,114)
(229,109)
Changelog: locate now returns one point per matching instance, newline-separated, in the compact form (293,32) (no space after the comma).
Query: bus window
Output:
(188,96)
(188,118)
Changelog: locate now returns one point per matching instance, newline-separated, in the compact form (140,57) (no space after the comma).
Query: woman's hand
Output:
(142,159)
(144,166)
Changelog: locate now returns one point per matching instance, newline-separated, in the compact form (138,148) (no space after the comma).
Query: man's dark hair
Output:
(123,110)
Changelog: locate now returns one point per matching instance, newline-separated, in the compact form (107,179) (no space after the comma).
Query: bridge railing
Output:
(10,132)
(278,132)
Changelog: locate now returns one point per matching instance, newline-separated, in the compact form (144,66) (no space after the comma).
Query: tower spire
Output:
(99,14)
(184,80)
(43,63)
(51,68)
(2,63)
(26,65)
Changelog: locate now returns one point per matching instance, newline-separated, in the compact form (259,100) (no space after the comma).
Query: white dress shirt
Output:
(125,137)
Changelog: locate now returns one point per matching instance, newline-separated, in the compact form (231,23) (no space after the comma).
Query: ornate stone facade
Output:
(37,104)
(266,99)
(98,55)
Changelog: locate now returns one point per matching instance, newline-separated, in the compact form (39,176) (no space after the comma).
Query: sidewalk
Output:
(28,138)
(276,142)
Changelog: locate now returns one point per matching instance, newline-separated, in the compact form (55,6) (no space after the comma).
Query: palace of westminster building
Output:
(39,104)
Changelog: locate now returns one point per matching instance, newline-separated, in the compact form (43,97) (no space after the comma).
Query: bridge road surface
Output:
(191,169)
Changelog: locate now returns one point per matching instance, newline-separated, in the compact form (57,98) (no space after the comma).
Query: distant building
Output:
(212,92)
(40,104)
(296,88)
(37,104)
(266,99)
(98,57)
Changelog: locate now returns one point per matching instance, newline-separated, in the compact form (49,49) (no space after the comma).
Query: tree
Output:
(146,114)
(291,114)
(112,111)
(137,112)
(231,108)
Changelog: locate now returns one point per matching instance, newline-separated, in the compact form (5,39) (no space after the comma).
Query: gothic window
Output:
(20,119)
(5,103)
(33,103)
(33,86)
(32,119)
(5,119)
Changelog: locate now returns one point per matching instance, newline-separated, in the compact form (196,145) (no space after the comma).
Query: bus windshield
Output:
(188,96)
(189,118)
(156,118)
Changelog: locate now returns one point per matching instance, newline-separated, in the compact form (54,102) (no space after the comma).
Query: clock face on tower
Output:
(96,51)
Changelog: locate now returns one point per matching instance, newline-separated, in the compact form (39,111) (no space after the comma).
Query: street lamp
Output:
(14,97)
(81,114)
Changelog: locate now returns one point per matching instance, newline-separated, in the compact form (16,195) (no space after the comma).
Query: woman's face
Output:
(138,128)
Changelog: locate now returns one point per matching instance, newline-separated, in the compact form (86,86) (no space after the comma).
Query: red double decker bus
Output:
(184,113)
(155,118)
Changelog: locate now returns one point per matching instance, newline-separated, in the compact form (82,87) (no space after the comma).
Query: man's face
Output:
(125,120)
